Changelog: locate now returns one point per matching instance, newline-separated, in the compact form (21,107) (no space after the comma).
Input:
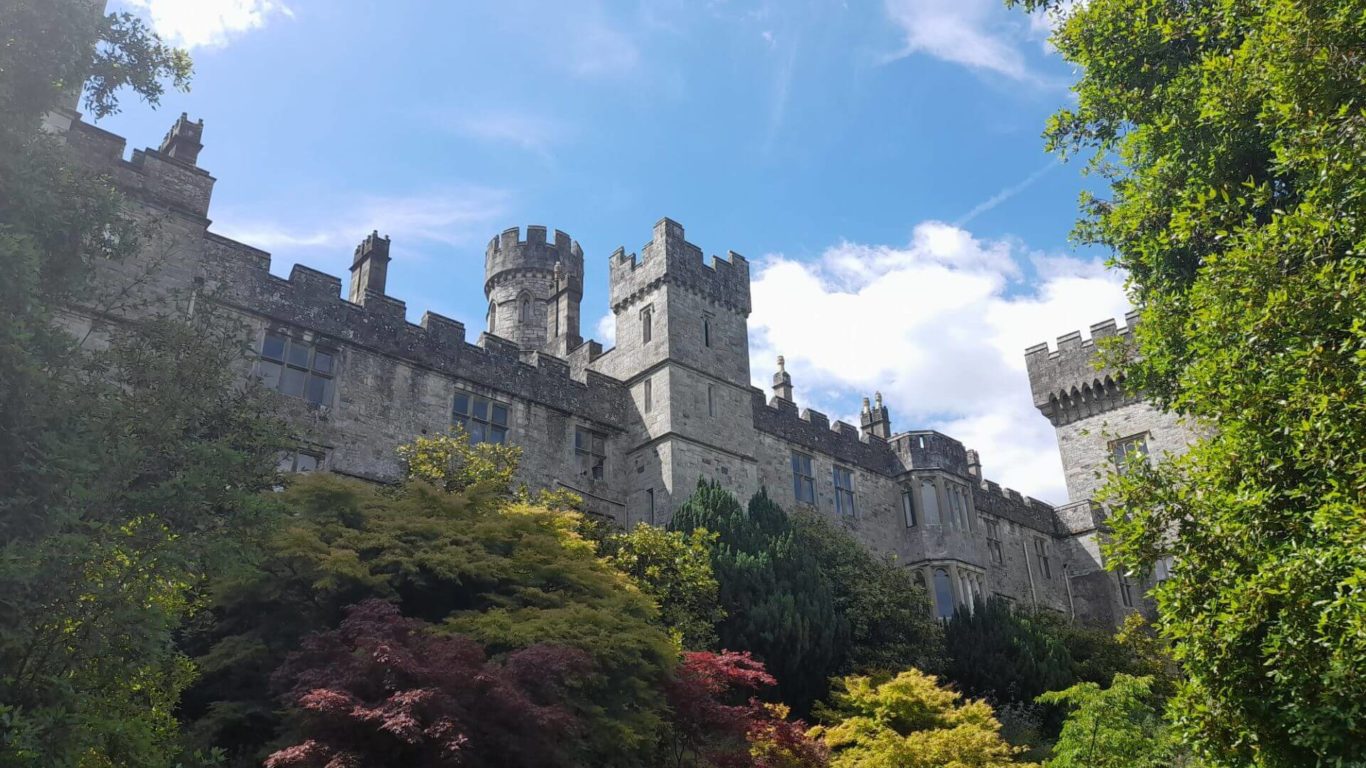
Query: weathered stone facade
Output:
(1097,420)
(632,428)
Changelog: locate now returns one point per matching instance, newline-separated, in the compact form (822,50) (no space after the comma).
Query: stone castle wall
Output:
(702,418)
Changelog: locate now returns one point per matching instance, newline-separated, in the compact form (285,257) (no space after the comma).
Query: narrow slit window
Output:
(711,400)
(908,508)
(647,324)
(648,393)
(706,331)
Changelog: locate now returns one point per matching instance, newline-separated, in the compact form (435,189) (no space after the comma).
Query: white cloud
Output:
(1005,194)
(959,31)
(939,326)
(607,330)
(207,23)
(448,217)
(531,132)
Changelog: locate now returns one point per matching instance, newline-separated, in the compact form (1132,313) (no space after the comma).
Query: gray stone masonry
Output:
(1094,415)
(633,428)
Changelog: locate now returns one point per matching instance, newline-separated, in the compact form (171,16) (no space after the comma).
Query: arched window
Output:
(493,315)
(943,593)
(524,309)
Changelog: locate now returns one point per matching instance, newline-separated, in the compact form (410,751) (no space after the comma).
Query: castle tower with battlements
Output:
(630,429)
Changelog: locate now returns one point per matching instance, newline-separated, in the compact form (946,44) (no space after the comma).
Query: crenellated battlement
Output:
(510,253)
(311,300)
(1068,383)
(813,430)
(165,178)
(669,258)
(928,449)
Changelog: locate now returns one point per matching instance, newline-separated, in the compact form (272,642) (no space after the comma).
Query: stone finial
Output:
(974,463)
(183,141)
(866,407)
(782,381)
(877,398)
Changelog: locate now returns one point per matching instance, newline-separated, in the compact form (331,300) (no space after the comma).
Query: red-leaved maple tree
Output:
(383,690)
(719,722)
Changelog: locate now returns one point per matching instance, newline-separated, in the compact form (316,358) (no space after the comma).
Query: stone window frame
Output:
(803,477)
(650,504)
(485,423)
(310,368)
(908,506)
(647,390)
(931,514)
(1042,563)
(493,318)
(647,324)
(524,307)
(1121,449)
(590,452)
(302,460)
(995,552)
(844,494)
(959,503)
(706,329)
(1126,594)
(711,400)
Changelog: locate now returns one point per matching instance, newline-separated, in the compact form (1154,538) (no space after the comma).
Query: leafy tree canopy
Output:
(476,561)
(674,568)
(909,721)
(1119,726)
(777,600)
(1233,135)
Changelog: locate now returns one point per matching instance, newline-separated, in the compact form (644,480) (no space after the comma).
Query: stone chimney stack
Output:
(875,420)
(370,269)
(974,464)
(183,141)
(782,381)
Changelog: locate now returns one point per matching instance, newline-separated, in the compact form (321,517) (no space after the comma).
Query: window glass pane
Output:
(497,435)
(908,508)
(292,382)
(297,354)
(580,439)
(273,347)
(270,374)
(463,422)
(500,414)
(943,593)
(929,502)
(476,432)
(480,409)
(318,390)
(462,404)
(322,362)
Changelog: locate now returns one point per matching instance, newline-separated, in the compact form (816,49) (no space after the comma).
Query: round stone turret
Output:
(533,287)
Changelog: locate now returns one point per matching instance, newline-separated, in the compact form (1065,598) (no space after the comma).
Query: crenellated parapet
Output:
(509,255)
(311,300)
(813,430)
(1069,383)
(166,178)
(1009,504)
(928,449)
(670,259)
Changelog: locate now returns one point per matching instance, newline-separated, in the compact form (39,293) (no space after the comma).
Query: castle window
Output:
(524,309)
(484,420)
(1123,451)
(493,318)
(646,324)
(650,503)
(1162,569)
(648,392)
(711,400)
(590,450)
(706,331)
(1126,594)
(1041,562)
(908,508)
(929,502)
(297,368)
(943,593)
(958,506)
(300,461)
(844,492)
(803,481)
(994,542)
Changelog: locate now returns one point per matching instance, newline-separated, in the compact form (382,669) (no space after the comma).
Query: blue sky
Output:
(879,163)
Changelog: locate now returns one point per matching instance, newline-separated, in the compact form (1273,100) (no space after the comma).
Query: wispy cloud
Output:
(596,46)
(531,132)
(958,31)
(1005,194)
(207,23)
(952,321)
(449,217)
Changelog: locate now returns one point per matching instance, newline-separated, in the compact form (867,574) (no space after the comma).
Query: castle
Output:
(632,428)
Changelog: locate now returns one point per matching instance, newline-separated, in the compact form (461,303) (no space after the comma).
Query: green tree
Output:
(674,568)
(476,561)
(1120,726)
(1006,655)
(1233,136)
(129,464)
(890,623)
(777,600)
(909,721)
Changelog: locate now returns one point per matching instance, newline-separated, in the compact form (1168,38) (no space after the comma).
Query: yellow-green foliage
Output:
(909,721)
(675,569)
(451,463)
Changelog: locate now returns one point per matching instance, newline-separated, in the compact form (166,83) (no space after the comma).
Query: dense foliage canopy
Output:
(1233,135)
